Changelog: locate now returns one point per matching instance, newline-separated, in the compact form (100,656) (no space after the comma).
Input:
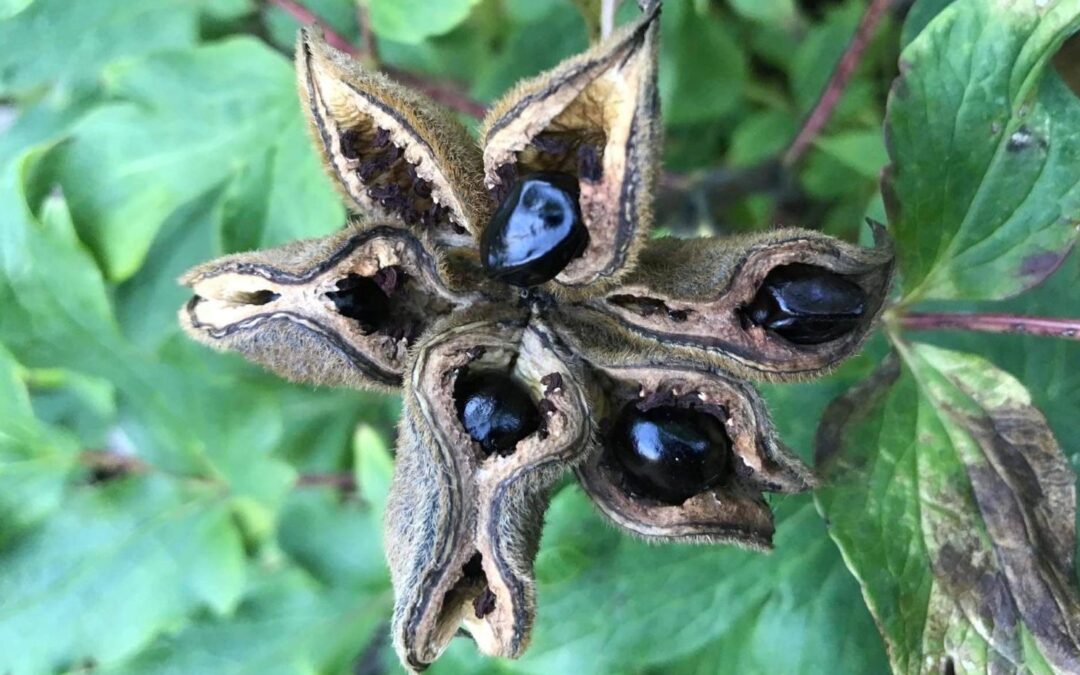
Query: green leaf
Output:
(58,316)
(613,604)
(129,165)
(412,21)
(920,15)
(52,40)
(984,194)
(769,12)
(374,466)
(955,508)
(863,151)
(702,69)
(143,552)
(286,625)
(34,459)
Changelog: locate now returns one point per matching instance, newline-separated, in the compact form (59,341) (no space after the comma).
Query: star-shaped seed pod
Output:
(509,290)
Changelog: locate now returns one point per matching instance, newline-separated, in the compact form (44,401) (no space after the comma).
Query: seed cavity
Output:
(390,302)
(390,179)
(806,304)
(495,410)
(536,231)
(670,453)
(362,300)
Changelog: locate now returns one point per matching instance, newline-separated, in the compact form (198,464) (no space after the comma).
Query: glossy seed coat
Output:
(536,231)
(669,453)
(496,411)
(807,305)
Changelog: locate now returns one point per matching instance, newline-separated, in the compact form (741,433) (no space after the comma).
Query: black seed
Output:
(670,453)
(495,410)
(536,231)
(362,300)
(807,305)
(350,143)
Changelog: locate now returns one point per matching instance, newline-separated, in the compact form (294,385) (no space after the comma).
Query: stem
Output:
(339,481)
(825,105)
(443,93)
(993,323)
(112,464)
(608,8)
(307,17)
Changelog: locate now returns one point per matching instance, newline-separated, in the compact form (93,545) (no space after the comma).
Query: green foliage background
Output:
(140,137)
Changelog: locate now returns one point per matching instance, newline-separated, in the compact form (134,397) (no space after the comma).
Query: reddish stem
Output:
(307,17)
(445,94)
(993,323)
(825,105)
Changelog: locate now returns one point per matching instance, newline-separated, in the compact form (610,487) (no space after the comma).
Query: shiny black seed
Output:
(495,410)
(669,453)
(362,300)
(536,231)
(807,305)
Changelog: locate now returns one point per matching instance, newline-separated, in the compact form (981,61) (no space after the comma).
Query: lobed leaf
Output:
(984,190)
(955,508)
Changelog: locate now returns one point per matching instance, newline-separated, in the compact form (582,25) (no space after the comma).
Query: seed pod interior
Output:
(486,507)
(341,310)
(705,305)
(728,509)
(594,117)
(391,151)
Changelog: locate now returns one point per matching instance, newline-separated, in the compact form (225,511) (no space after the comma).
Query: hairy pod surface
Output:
(463,524)
(705,306)
(341,310)
(391,151)
(596,117)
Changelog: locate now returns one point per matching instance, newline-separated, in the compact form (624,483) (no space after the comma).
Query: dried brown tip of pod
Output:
(463,525)
(393,152)
(704,306)
(594,117)
(341,310)
(730,507)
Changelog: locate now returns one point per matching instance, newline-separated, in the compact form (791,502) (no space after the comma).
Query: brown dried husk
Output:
(602,103)
(734,511)
(339,95)
(449,503)
(685,296)
(299,334)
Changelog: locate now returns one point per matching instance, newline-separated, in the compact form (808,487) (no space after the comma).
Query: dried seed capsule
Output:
(462,532)
(806,304)
(671,453)
(536,231)
(778,305)
(341,310)
(496,411)
(595,116)
(392,152)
